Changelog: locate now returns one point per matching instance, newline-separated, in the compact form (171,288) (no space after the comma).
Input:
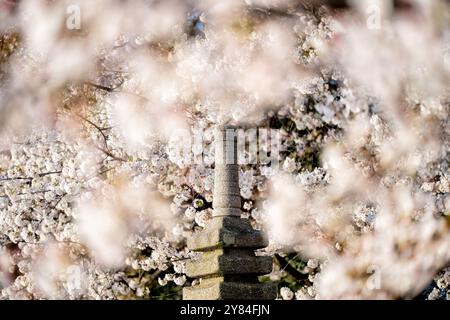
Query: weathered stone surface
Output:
(219,212)
(228,167)
(226,152)
(228,267)
(229,261)
(225,231)
(226,174)
(227,201)
(227,187)
(227,156)
(217,289)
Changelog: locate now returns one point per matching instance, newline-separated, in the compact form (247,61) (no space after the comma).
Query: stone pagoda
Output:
(228,266)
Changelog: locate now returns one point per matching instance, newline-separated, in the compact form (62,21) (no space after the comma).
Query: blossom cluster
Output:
(98,190)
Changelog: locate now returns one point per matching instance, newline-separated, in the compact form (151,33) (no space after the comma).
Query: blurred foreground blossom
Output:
(107,160)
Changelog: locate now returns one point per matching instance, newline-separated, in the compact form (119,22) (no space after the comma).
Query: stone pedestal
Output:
(228,267)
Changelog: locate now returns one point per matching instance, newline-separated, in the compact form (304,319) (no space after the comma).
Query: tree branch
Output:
(286,266)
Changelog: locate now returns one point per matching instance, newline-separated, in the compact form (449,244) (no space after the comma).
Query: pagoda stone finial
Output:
(227,195)
(228,266)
